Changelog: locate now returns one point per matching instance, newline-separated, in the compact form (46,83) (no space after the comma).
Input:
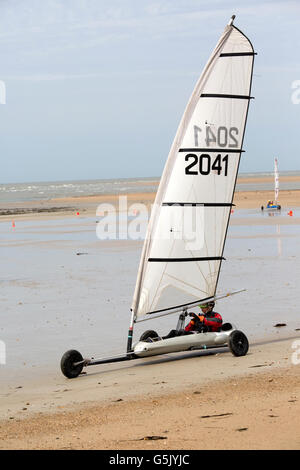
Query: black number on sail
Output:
(205,166)
(222,138)
(196,131)
(210,137)
(188,170)
(216,166)
(225,159)
(233,130)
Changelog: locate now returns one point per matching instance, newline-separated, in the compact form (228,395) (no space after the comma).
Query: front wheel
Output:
(68,364)
(238,343)
(148,334)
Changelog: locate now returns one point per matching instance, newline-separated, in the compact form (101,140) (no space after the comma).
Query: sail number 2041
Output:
(204,164)
(221,136)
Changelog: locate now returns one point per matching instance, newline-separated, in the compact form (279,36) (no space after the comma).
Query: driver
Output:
(208,320)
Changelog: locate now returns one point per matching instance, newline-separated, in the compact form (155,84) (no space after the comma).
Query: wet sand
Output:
(198,400)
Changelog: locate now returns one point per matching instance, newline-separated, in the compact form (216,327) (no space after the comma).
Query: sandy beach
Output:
(192,401)
(204,400)
(196,400)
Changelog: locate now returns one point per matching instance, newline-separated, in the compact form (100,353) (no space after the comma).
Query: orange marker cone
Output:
(13,225)
(290,213)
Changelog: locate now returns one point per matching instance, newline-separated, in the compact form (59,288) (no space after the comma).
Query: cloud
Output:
(89,23)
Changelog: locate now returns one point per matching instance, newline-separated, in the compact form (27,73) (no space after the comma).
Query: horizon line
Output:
(130,178)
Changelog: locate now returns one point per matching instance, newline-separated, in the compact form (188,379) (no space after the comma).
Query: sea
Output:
(39,191)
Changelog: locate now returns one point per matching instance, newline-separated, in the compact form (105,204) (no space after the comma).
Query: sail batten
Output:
(237,54)
(203,299)
(204,204)
(220,95)
(184,245)
(219,150)
(184,260)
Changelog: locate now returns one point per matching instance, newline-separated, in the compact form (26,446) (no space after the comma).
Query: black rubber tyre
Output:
(279,207)
(238,343)
(148,334)
(67,364)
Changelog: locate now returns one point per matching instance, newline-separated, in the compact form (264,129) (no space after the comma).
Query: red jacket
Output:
(212,320)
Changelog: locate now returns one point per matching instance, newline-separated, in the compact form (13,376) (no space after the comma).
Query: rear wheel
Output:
(148,334)
(238,343)
(68,364)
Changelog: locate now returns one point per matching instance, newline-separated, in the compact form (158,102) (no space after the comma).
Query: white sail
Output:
(276,176)
(183,249)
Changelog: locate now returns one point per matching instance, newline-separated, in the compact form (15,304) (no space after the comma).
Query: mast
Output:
(276,177)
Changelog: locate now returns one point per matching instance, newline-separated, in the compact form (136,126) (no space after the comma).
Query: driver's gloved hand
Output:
(196,317)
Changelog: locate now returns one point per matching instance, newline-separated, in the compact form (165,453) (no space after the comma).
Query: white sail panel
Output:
(181,279)
(182,253)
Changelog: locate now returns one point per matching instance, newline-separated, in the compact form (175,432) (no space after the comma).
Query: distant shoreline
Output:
(246,175)
(46,195)
(87,204)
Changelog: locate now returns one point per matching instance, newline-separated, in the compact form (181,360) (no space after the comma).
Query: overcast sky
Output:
(96,88)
